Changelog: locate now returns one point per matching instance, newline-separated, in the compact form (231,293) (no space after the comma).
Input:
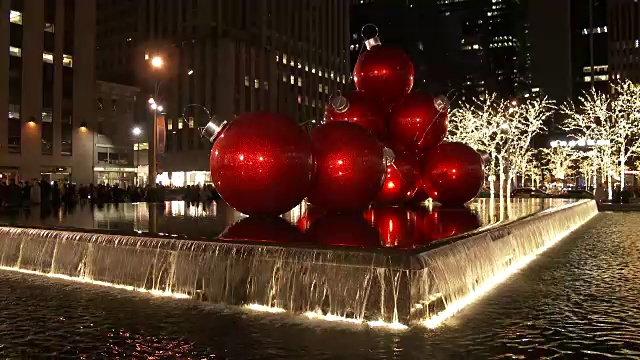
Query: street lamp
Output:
(136,131)
(157,62)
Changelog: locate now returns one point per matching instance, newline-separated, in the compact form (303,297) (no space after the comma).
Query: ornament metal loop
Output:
(213,128)
(389,156)
(340,104)
(374,40)
(441,103)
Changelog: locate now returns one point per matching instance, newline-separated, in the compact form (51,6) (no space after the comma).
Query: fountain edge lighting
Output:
(457,305)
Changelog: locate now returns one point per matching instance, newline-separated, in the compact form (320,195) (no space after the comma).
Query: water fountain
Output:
(380,286)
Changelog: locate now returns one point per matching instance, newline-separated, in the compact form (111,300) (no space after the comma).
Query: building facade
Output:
(48,78)
(231,57)
(590,45)
(117,138)
(623,25)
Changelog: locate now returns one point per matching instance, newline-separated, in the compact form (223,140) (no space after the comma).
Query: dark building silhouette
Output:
(623,24)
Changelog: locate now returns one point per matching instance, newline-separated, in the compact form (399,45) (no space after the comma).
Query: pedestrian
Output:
(35,192)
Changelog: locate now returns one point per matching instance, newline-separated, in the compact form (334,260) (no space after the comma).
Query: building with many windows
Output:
(623,29)
(47,84)
(231,57)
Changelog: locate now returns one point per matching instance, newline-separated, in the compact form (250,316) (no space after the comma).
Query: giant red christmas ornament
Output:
(383,73)
(350,166)
(419,122)
(400,180)
(453,173)
(261,163)
(445,223)
(354,107)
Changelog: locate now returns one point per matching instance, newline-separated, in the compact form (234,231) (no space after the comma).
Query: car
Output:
(528,192)
(575,194)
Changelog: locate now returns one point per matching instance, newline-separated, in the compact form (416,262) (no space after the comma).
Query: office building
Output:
(231,57)
(119,142)
(48,84)
(623,30)
(590,46)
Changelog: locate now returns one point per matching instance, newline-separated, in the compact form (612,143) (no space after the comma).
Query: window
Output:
(15,51)
(169,124)
(15,17)
(100,104)
(179,124)
(14,132)
(47,133)
(192,122)
(67,136)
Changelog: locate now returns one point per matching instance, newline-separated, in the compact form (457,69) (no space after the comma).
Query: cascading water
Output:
(332,284)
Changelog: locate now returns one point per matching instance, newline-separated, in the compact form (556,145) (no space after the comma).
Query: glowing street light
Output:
(154,106)
(152,101)
(157,62)
(190,72)
(160,108)
(136,131)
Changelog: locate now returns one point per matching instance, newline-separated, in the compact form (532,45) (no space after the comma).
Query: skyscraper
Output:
(590,45)
(232,57)
(47,84)
(623,29)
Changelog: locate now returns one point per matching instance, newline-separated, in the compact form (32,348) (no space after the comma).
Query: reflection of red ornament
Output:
(384,74)
(267,229)
(396,225)
(261,163)
(348,229)
(349,166)
(308,217)
(419,122)
(453,173)
(446,223)
(400,181)
(354,107)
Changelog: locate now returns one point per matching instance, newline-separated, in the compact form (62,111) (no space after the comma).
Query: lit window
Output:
(15,17)
(320,87)
(67,60)
(192,122)
(169,124)
(299,81)
(292,79)
(306,67)
(256,83)
(47,57)
(299,66)
(266,85)
(284,78)
(277,58)
(180,124)
(15,51)
(319,72)
(326,89)
(284,58)
(146,55)
(332,74)
(246,81)
(313,70)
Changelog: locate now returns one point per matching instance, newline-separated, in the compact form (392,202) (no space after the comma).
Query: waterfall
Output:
(378,287)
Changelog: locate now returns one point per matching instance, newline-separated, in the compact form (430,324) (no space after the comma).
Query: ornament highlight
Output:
(350,167)
(453,173)
(261,162)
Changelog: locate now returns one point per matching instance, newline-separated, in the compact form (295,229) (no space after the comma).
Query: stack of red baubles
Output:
(381,143)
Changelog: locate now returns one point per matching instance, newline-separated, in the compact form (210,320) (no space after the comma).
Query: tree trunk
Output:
(492,185)
(622,172)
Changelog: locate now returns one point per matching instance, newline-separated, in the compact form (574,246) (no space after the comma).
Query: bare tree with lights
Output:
(614,120)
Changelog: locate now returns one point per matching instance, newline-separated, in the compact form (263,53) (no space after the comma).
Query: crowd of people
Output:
(15,194)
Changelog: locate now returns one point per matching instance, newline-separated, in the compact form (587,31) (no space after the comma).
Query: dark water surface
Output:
(580,299)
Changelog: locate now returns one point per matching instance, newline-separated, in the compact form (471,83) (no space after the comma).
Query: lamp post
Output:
(156,63)
(136,131)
